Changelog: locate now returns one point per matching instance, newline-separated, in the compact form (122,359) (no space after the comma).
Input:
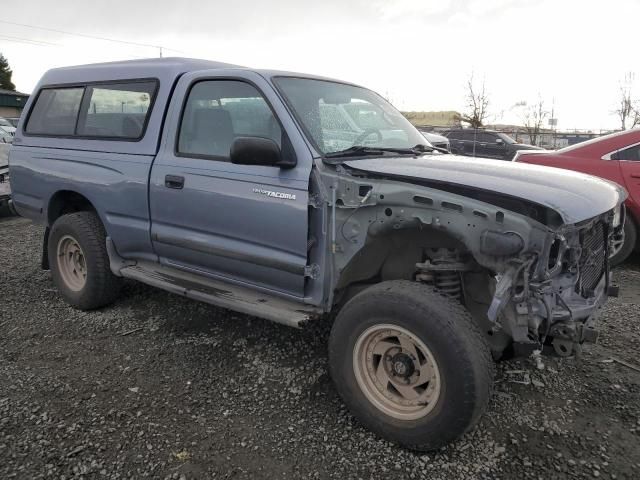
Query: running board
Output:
(221,294)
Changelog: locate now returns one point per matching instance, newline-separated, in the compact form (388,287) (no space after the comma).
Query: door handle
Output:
(635,175)
(174,181)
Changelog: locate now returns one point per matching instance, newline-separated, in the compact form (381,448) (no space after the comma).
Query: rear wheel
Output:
(624,242)
(410,364)
(79,261)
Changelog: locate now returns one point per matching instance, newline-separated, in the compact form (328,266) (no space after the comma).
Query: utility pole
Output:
(160,49)
(553,122)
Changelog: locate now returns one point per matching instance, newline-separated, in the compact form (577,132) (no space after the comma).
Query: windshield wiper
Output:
(362,151)
(424,148)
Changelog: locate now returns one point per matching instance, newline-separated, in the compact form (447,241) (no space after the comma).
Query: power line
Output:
(26,40)
(95,37)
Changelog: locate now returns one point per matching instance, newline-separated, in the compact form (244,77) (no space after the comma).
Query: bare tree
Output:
(477,104)
(533,120)
(628,110)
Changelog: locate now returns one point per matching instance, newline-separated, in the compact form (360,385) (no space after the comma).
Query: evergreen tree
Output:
(5,74)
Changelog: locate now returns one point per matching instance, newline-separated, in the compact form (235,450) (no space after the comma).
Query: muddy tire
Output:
(79,262)
(410,364)
(626,244)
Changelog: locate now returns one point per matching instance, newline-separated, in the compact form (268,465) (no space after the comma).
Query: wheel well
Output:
(394,256)
(66,201)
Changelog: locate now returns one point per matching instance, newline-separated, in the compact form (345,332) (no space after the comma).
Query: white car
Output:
(436,140)
(7,126)
(5,136)
(5,188)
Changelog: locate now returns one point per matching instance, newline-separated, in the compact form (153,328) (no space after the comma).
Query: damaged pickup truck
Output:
(293,198)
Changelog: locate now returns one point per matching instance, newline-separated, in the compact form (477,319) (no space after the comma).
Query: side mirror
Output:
(499,141)
(255,151)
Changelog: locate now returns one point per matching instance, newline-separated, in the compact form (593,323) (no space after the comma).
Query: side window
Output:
(472,136)
(480,136)
(218,111)
(631,154)
(453,135)
(467,135)
(117,110)
(55,111)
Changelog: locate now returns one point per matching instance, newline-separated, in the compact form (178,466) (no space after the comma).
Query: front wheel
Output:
(410,364)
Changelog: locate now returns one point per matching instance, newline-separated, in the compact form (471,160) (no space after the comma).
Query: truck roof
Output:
(164,69)
(167,68)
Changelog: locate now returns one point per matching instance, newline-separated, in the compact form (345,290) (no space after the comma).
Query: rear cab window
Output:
(109,110)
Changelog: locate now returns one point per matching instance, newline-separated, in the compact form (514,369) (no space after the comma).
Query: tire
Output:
(630,233)
(453,341)
(79,240)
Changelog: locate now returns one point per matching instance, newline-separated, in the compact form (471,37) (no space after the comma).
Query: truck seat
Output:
(213,132)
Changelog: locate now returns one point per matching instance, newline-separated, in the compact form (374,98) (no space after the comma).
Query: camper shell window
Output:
(106,110)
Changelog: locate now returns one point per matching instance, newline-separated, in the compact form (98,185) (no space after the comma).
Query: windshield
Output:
(338,116)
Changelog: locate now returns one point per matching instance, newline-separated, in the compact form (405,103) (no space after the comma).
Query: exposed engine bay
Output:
(528,278)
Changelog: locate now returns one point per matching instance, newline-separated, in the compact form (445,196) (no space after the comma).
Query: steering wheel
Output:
(366,133)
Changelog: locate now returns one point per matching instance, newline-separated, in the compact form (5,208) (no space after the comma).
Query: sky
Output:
(417,53)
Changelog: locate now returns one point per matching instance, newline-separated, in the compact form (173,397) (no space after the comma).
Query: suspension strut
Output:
(443,269)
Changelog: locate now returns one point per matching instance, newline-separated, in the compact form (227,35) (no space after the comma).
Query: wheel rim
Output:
(617,242)
(71,263)
(396,371)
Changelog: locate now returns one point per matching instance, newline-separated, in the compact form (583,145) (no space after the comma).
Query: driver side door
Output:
(246,224)
(494,146)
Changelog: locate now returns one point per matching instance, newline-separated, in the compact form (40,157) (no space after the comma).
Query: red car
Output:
(615,157)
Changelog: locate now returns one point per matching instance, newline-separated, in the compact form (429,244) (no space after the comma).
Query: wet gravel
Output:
(159,386)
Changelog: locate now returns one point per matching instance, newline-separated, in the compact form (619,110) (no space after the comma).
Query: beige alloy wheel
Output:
(396,372)
(71,263)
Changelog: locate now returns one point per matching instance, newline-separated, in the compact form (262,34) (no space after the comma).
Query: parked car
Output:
(615,157)
(5,189)
(438,141)
(484,143)
(229,185)
(14,121)
(7,126)
(5,137)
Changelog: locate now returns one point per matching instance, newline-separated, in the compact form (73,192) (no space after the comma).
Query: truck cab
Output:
(299,199)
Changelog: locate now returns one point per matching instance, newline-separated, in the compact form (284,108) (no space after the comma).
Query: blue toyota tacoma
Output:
(292,197)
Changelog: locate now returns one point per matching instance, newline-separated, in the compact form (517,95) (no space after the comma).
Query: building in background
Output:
(433,119)
(12,103)
(547,138)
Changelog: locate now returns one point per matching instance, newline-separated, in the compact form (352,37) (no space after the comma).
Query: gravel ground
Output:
(163,387)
